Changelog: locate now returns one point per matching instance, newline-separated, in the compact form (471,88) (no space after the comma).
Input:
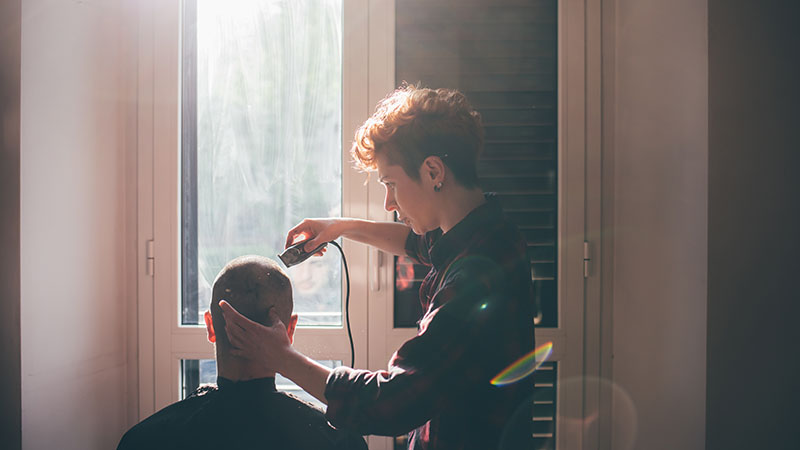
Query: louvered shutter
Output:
(503,55)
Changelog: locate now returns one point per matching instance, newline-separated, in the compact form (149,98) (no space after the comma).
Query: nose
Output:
(388,203)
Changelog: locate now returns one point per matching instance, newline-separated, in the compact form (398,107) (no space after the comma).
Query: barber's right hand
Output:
(315,232)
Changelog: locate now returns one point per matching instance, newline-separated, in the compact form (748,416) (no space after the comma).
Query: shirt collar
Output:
(450,244)
(258,384)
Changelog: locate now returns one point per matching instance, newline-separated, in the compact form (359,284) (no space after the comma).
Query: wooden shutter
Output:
(503,55)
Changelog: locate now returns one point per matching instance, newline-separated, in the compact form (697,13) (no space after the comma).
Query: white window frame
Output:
(162,343)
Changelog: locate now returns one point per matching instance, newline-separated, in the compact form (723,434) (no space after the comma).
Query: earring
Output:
(438,187)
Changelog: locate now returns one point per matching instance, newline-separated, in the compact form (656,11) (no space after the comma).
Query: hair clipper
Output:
(295,254)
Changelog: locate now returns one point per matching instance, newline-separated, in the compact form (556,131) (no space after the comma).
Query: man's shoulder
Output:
(167,428)
(209,420)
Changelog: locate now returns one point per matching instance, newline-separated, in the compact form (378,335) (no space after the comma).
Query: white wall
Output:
(660,186)
(73,221)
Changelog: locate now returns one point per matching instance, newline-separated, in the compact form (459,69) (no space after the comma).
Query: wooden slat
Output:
(533,218)
(524,202)
(540,237)
(474,3)
(499,167)
(517,133)
(519,151)
(408,12)
(520,184)
(483,83)
(502,99)
(477,31)
(526,116)
(476,49)
(423,67)
(542,254)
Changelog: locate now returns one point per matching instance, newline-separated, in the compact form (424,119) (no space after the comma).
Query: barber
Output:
(478,314)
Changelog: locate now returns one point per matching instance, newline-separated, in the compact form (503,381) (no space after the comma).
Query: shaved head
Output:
(253,285)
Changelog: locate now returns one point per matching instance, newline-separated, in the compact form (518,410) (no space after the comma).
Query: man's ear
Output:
(212,337)
(433,169)
(290,327)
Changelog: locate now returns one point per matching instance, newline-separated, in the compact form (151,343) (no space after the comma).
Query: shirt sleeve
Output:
(352,442)
(451,354)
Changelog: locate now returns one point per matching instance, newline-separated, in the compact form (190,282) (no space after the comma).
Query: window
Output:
(249,101)
(242,124)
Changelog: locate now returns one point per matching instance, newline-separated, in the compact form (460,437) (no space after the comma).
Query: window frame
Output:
(160,221)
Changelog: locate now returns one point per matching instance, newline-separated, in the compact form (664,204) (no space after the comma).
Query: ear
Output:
(433,170)
(291,326)
(212,337)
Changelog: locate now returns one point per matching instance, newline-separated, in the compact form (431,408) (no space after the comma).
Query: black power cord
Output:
(347,306)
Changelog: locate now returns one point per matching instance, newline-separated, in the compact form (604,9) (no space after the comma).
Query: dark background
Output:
(753,224)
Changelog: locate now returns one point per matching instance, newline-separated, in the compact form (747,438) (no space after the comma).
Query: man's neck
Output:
(237,369)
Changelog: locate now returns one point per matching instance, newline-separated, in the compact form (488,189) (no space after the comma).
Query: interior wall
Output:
(10,375)
(73,220)
(659,196)
(128,91)
(754,221)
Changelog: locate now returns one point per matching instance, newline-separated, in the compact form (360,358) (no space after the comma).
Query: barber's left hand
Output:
(266,347)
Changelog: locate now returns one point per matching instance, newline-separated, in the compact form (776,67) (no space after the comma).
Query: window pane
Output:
(261,142)
(197,372)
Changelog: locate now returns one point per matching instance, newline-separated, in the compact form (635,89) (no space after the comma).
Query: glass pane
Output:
(261,142)
(503,55)
(196,372)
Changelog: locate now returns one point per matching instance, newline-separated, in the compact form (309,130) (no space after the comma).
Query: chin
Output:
(420,230)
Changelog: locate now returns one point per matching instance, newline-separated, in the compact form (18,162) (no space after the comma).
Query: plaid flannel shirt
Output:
(478,320)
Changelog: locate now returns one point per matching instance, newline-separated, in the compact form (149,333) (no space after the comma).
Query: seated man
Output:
(244,411)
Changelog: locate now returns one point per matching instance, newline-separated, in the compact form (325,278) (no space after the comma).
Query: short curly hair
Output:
(413,123)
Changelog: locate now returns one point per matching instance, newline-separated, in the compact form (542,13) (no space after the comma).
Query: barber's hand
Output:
(266,347)
(316,231)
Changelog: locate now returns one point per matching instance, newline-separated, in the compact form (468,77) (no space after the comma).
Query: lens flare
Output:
(524,366)
(404,273)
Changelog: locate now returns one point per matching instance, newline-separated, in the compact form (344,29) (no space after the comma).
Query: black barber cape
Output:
(239,415)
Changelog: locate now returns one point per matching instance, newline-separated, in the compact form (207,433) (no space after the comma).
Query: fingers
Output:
(235,336)
(232,315)
(311,244)
(235,324)
(301,228)
(291,235)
